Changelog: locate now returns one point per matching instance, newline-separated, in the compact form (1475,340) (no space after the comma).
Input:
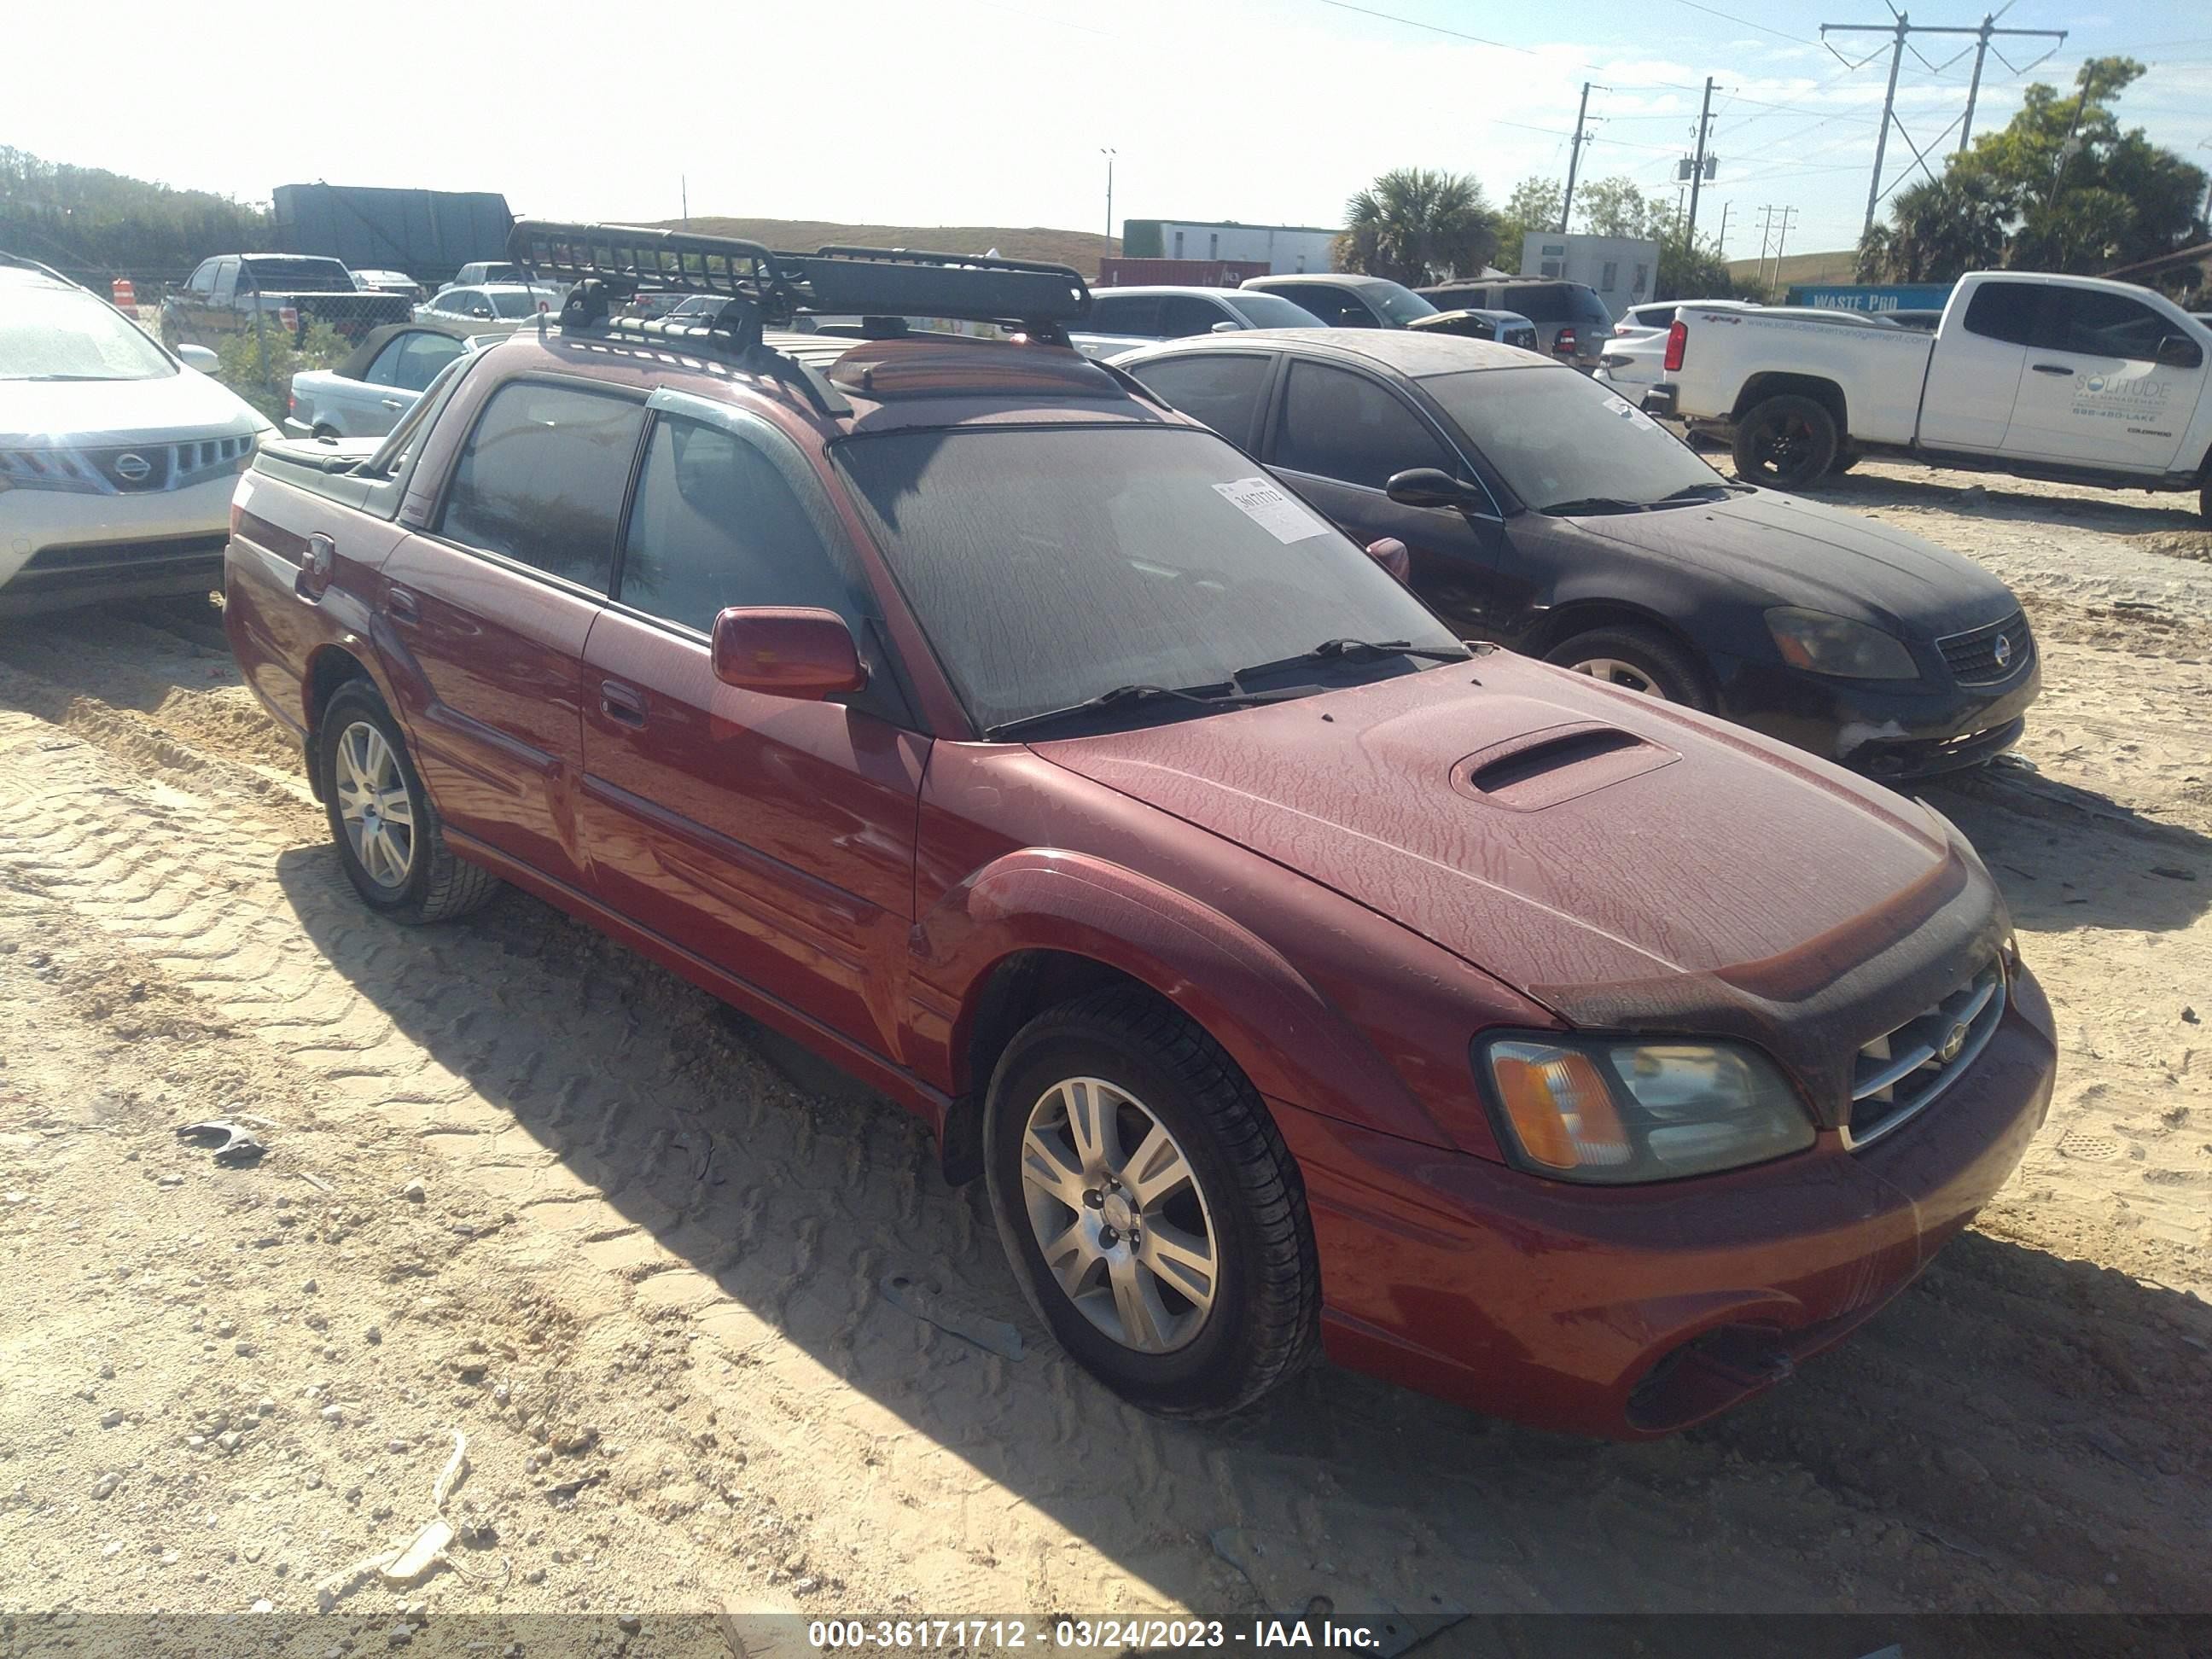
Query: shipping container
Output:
(428,234)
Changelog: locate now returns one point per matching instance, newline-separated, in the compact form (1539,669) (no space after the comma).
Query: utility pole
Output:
(1110,155)
(1574,159)
(1900,32)
(1722,244)
(1781,242)
(1698,168)
(683,191)
(2066,149)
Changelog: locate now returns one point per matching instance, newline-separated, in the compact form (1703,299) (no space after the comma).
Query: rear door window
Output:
(1223,391)
(1337,424)
(384,371)
(2099,325)
(2004,311)
(1182,315)
(424,354)
(1125,314)
(1337,306)
(541,478)
(717,523)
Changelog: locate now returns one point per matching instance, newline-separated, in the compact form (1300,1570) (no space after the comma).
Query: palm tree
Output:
(1417,226)
(1939,229)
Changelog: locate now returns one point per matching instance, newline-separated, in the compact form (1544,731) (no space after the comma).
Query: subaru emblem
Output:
(2002,650)
(133,468)
(1952,1044)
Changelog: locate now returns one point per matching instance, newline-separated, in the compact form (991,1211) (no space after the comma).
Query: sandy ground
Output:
(524,1188)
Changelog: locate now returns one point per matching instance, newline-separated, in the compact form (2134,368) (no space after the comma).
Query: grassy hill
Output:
(1836,267)
(1080,248)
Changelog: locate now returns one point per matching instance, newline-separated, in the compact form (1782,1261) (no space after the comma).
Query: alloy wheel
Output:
(1626,675)
(374,804)
(1117,1211)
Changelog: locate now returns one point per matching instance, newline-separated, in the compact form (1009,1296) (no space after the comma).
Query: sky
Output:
(996,112)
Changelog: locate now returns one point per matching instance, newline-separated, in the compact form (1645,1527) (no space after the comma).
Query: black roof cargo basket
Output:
(830,282)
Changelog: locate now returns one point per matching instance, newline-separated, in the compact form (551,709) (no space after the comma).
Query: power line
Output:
(1901,32)
(1714,11)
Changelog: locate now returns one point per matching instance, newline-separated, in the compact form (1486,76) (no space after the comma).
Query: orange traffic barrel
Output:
(126,296)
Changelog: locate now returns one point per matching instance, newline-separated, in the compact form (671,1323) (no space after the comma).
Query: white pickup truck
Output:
(2068,378)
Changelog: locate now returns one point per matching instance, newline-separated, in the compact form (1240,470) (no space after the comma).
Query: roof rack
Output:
(833,281)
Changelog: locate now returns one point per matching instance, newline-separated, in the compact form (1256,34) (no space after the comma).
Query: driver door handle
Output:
(622,704)
(401,604)
(2053,368)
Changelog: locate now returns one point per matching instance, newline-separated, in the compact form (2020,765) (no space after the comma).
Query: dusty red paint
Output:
(786,651)
(1344,891)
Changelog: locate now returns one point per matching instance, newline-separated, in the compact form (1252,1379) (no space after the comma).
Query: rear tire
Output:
(1218,1176)
(1625,654)
(1785,442)
(389,839)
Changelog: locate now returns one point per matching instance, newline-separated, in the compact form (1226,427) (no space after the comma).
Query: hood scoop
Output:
(1532,770)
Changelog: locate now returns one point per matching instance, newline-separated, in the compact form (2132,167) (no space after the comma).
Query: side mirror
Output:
(479,311)
(1225,326)
(2178,351)
(199,357)
(786,651)
(1429,486)
(1390,553)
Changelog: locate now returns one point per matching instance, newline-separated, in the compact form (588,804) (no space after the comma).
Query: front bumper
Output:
(1884,729)
(1633,1312)
(58,548)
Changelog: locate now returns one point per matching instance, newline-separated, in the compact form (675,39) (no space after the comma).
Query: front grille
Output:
(145,469)
(133,469)
(1984,656)
(1899,1075)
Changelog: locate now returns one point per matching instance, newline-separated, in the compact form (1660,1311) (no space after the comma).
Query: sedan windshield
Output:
(1271,310)
(1050,565)
(1400,305)
(56,334)
(1559,439)
(517,302)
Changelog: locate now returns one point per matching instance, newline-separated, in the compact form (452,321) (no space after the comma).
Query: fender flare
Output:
(1291,1042)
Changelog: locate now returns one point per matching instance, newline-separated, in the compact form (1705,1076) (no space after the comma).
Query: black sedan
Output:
(1544,513)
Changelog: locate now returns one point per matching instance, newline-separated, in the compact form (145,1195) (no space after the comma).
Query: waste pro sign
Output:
(1873,296)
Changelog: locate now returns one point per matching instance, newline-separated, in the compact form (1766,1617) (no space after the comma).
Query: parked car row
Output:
(1125,318)
(234,293)
(1296,975)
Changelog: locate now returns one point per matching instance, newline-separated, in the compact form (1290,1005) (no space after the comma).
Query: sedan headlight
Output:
(50,469)
(1825,644)
(1616,1113)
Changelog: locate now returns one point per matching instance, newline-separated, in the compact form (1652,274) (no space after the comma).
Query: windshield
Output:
(515,304)
(1271,310)
(58,334)
(290,276)
(1558,437)
(1049,565)
(1400,305)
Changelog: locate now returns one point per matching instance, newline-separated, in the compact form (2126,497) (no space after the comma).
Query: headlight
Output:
(53,469)
(1621,1112)
(1825,644)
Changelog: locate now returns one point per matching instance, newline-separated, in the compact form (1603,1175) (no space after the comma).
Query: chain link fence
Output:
(261,340)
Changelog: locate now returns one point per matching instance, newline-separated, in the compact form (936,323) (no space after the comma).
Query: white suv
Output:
(118,457)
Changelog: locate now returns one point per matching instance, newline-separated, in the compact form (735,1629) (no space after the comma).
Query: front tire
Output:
(1641,659)
(388,836)
(1785,442)
(1151,1213)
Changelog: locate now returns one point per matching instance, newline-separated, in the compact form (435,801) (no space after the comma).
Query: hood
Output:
(1629,864)
(51,414)
(1806,554)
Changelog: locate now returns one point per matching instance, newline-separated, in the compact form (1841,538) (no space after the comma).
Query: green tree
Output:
(1534,205)
(1938,230)
(2061,186)
(94,225)
(1418,226)
(1614,206)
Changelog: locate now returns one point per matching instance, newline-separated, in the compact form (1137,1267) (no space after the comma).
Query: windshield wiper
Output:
(1224,696)
(1698,492)
(1590,505)
(1330,649)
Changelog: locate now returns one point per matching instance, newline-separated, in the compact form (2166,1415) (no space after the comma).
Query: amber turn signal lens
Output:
(1561,1110)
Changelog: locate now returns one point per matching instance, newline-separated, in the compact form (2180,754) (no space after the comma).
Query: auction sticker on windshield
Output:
(1266,505)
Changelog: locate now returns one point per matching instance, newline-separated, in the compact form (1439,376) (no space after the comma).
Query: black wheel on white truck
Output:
(1785,441)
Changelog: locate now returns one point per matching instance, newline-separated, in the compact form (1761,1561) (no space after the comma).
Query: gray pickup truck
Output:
(293,290)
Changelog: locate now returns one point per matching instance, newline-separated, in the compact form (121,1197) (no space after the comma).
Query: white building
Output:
(1285,249)
(1624,270)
